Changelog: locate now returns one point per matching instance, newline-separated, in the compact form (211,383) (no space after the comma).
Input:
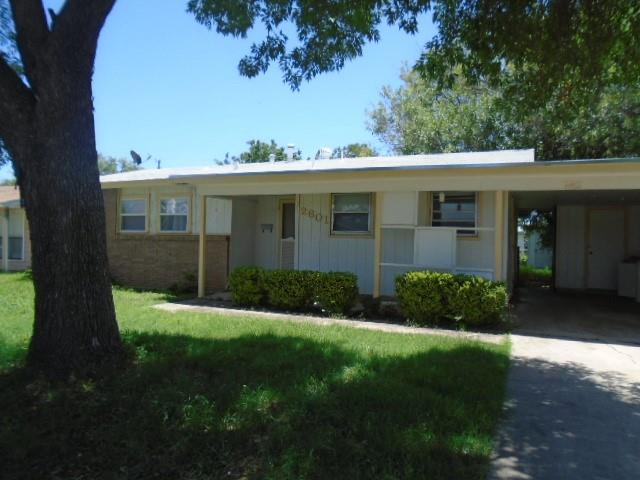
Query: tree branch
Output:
(32,33)
(78,26)
(16,105)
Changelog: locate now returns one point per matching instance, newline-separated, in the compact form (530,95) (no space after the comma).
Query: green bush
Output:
(422,295)
(290,289)
(247,285)
(478,301)
(333,292)
(336,292)
(428,297)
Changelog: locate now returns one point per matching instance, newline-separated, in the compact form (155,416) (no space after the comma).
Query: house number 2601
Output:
(313,215)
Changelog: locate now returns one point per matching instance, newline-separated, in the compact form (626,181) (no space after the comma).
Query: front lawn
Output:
(227,397)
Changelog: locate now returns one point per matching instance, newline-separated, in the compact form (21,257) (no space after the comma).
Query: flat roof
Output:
(446,160)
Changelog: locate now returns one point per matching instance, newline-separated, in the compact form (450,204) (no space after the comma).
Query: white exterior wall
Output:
(319,250)
(572,243)
(266,242)
(473,254)
(478,252)
(537,256)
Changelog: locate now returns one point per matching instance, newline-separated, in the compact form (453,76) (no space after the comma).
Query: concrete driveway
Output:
(573,407)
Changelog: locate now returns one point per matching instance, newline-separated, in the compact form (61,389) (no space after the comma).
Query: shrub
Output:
(422,295)
(428,297)
(336,292)
(289,289)
(333,292)
(478,301)
(247,285)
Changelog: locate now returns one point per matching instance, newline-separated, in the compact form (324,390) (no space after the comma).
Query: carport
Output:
(596,238)
(594,293)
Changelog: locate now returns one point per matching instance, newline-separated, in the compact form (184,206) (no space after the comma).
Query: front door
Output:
(287,234)
(605,248)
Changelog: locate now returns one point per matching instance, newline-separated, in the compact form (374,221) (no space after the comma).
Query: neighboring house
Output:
(15,251)
(537,255)
(376,217)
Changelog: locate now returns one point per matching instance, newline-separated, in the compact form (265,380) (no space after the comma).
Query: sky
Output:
(166,86)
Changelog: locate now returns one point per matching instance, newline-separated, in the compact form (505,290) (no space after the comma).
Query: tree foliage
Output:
(422,116)
(108,165)
(260,151)
(327,34)
(540,222)
(354,150)
(543,49)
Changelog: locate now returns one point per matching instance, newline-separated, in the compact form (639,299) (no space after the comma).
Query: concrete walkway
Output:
(573,408)
(202,306)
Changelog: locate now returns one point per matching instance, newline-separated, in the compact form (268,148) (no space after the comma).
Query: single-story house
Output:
(376,217)
(15,248)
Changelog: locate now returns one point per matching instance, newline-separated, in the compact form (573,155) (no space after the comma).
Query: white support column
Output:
(377,242)
(498,244)
(4,216)
(202,248)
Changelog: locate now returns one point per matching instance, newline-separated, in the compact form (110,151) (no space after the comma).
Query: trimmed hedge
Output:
(332,292)
(247,285)
(336,292)
(429,297)
(289,289)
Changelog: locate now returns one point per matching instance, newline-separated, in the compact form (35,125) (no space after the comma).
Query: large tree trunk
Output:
(74,314)
(48,128)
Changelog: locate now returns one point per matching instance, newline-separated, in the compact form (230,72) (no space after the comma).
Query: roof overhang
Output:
(515,176)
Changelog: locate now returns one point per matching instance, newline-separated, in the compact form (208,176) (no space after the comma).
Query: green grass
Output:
(220,397)
(529,273)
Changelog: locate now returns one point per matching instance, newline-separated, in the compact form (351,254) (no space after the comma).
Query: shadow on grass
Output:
(259,407)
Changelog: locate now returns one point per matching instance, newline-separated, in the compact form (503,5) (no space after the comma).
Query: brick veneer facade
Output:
(159,261)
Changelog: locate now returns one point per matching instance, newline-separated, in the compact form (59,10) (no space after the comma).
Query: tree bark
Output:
(51,139)
(75,320)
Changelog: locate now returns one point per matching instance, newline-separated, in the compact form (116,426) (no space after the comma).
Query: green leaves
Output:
(328,33)
(424,117)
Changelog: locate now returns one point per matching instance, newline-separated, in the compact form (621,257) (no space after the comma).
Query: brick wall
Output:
(160,261)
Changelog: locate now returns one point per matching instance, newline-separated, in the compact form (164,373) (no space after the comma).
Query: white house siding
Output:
(570,246)
(266,246)
(478,252)
(318,250)
(537,256)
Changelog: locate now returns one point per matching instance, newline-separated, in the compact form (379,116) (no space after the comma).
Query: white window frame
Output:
(160,214)
(459,233)
(121,214)
(369,213)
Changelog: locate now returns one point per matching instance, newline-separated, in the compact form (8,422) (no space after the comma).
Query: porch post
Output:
(498,235)
(377,242)
(202,248)
(5,239)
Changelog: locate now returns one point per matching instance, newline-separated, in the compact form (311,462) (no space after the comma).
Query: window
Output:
(15,248)
(133,215)
(351,213)
(454,209)
(174,214)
